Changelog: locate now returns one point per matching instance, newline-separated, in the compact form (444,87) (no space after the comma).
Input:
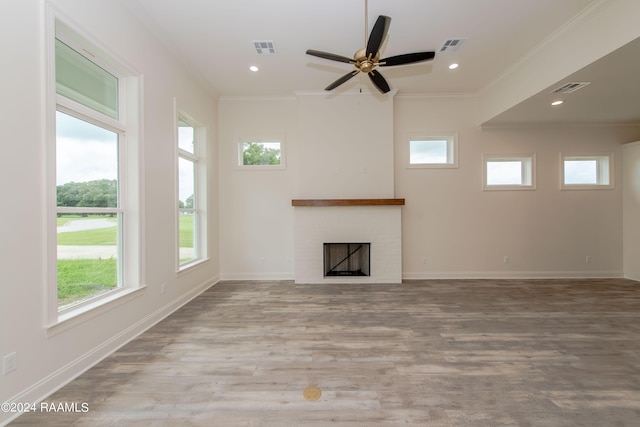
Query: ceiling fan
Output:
(367,59)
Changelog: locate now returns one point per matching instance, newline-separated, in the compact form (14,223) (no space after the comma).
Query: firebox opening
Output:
(346,259)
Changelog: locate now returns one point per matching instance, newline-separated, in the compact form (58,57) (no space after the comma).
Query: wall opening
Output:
(347,259)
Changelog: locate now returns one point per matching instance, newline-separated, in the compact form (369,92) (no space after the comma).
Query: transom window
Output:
(433,151)
(509,172)
(261,154)
(586,171)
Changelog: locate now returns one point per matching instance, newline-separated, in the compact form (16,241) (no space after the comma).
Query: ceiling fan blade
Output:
(407,58)
(379,81)
(342,80)
(378,34)
(330,56)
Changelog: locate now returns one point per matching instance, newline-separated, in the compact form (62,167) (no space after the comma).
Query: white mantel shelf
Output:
(347,202)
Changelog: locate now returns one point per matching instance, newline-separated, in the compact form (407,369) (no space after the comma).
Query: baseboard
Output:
(58,379)
(256,276)
(513,275)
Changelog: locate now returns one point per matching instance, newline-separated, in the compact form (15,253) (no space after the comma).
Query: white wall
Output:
(346,148)
(256,236)
(461,230)
(46,361)
(631,210)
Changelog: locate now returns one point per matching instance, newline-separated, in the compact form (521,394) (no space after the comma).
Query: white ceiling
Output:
(215,38)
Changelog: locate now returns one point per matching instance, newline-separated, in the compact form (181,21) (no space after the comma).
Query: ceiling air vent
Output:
(570,87)
(452,45)
(264,47)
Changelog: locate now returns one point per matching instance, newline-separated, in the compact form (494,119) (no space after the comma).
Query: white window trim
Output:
(238,151)
(200,190)
(452,149)
(528,158)
(588,156)
(130,88)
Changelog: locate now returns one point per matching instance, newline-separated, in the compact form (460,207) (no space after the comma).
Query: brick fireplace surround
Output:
(377,221)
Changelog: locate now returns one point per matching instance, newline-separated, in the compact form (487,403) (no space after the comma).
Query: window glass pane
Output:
(187,228)
(260,153)
(504,173)
(580,171)
(83,81)
(87,256)
(86,164)
(186,180)
(185,136)
(187,225)
(428,151)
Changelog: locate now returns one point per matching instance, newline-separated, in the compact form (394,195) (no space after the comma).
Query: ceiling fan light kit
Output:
(367,59)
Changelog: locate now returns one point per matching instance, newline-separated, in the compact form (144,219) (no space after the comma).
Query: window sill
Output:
(75,317)
(433,166)
(183,268)
(586,187)
(509,188)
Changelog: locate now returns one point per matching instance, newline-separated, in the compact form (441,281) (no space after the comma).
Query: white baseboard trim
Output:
(256,276)
(58,379)
(514,275)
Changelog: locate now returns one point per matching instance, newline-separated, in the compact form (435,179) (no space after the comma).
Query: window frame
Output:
(451,139)
(527,173)
(599,157)
(127,126)
(198,158)
(261,140)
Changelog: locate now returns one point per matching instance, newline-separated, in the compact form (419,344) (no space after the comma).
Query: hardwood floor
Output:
(424,353)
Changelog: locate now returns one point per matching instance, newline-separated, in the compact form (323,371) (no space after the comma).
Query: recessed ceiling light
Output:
(453,66)
(554,103)
(254,68)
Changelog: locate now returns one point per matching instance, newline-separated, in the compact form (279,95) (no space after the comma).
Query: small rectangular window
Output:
(586,172)
(509,172)
(261,154)
(432,151)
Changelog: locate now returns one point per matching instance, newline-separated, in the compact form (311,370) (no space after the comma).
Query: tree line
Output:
(101,193)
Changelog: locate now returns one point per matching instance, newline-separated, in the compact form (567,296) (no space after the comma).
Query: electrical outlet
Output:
(505,260)
(9,363)
(424,259)
(163,288)
(587,259)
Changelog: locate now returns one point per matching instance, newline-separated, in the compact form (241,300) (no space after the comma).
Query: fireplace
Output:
(374,221)
(346,259)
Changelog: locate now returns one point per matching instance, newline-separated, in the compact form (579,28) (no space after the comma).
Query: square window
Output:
(509,172)
(432,152)
(586,172)
(261,154)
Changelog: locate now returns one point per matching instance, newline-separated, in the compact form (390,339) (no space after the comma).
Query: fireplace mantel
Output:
(347,202)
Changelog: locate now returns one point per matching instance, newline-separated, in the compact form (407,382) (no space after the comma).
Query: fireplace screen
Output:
(346,259)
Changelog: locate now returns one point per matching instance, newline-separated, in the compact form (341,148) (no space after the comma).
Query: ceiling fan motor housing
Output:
(365,63)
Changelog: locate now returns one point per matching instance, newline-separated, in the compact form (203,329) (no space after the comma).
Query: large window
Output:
(509,172)
(93,154)
(433,151)
(191,192)
(586,171)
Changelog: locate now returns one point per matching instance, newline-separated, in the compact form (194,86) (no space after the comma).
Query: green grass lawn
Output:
(82,278)
(185,226)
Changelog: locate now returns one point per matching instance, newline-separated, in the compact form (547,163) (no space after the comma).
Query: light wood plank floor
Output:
(424,353)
